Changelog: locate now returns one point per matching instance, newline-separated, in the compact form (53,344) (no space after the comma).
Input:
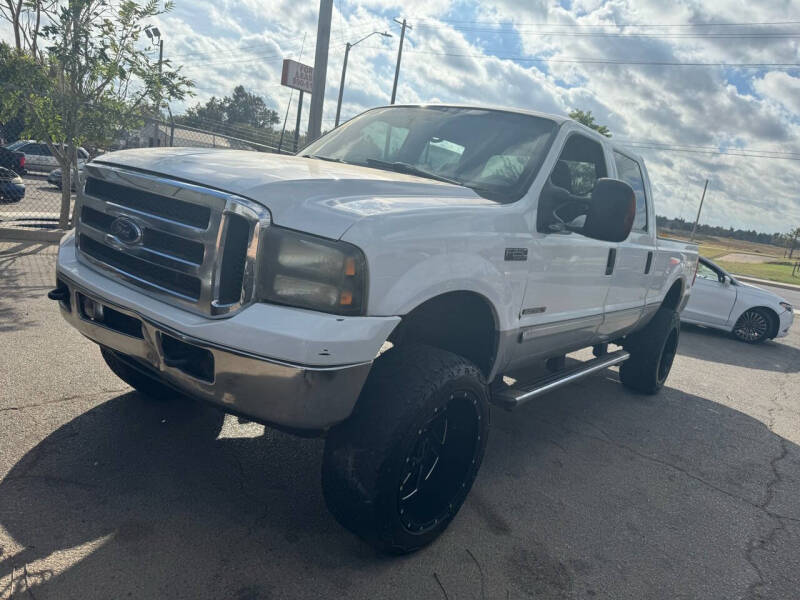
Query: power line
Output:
(606,61)
(606,34)
(616,25)
(650,143)
(711,152)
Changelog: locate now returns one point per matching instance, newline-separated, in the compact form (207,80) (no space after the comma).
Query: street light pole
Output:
(399,56)
(344,69)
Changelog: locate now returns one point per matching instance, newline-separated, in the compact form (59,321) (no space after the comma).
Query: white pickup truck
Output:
(377,288)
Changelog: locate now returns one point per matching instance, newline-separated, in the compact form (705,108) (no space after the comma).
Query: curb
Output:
(777,284)
(51,236)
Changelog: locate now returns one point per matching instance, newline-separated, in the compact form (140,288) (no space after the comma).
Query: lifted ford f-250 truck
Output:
(471,242)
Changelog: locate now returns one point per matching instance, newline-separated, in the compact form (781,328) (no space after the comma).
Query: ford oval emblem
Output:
(126,231)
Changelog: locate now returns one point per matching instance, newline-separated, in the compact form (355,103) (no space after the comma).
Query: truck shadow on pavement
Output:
(718,346)
(592,491)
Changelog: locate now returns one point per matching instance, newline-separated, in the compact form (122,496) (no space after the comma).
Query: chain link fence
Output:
(30,180)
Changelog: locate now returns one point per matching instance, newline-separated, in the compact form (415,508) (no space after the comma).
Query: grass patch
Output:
(777,271)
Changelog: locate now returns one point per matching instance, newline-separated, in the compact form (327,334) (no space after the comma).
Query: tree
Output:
(587,119)
(242,114)
(81,76)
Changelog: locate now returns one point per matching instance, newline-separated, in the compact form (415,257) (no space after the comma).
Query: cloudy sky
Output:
(613,57)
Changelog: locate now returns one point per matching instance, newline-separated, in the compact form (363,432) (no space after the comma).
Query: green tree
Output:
(586,118)
(89,78)
(242,114)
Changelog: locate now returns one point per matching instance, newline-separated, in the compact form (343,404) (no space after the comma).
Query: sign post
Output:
(299,77)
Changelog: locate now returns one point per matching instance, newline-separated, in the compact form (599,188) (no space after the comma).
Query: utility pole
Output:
(320,69)
(344,69)
(694,228)
(341,83)
(399,56)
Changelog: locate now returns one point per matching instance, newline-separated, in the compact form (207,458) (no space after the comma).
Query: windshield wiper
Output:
(409,169)
(328,158)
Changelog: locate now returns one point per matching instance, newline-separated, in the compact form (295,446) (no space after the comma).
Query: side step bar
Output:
(510,397)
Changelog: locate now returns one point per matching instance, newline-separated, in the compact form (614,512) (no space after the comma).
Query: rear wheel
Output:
(397,471)
(753,326)
(652,352)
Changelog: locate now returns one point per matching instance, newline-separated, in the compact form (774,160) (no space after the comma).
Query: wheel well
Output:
(673,298)
(460,322)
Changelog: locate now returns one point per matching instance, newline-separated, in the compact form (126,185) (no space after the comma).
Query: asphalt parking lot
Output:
(591,492)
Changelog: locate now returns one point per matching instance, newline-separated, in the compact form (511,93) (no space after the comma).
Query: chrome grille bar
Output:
(122,235)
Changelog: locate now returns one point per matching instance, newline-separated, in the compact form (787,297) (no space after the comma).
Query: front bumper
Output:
(784,323)
(263,388)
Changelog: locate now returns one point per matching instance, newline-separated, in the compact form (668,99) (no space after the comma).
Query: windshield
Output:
(494,152)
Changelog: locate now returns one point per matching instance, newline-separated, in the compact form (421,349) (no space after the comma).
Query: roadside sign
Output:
(297,75)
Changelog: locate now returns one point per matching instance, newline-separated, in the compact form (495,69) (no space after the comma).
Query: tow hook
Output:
(60,294)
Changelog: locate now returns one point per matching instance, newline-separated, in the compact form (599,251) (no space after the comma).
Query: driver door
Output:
(568,276)
(711,300)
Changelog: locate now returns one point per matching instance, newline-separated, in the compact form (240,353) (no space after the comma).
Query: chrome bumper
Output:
(292,396)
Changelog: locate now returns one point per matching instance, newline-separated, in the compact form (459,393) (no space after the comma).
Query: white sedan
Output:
(750,313)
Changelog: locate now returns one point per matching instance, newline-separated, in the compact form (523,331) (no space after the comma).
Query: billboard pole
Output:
(320,69)
(297,124)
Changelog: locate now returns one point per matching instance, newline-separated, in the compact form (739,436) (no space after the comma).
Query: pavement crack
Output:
(64,399)
(757,543)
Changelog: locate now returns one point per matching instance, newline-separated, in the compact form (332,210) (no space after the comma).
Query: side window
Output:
(441,154)
(44,150)
(706,272)
(378,139)
(579,166)
(31,149)
(628,170)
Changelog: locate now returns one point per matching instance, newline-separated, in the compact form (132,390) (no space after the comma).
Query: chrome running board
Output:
(511,397)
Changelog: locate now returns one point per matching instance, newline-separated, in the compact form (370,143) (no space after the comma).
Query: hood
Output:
(753,291)
(319,197)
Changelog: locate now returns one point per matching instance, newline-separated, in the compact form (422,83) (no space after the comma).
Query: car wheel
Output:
(398,470)
(753,326)
(652,352)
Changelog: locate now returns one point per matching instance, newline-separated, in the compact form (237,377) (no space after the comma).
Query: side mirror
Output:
(726,281)
(611,211)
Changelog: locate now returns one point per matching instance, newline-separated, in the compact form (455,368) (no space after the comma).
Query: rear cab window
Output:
(629,171)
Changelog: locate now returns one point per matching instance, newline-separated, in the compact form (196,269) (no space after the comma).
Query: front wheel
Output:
(652,351)
(753,326)
(398,470)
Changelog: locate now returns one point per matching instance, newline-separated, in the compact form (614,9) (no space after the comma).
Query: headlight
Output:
(306,271)
(786,305)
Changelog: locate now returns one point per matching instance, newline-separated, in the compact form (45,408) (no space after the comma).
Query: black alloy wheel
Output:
(753,326)
(433,481)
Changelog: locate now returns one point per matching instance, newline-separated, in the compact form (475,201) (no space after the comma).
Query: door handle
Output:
(649,262)
(612,258)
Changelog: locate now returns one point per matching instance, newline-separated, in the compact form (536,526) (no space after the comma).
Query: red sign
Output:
(297,75)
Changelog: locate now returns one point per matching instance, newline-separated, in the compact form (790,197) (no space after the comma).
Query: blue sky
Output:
(486,53)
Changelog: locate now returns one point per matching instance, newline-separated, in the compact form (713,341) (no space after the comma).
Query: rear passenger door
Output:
(627,293)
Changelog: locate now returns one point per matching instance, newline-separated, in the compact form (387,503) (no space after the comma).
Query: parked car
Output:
(13,160)
(38,156)
(54,177)
(476,242)
(12,188)
(750,313)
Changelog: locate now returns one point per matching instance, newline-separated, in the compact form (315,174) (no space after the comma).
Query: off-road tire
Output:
(652,351)
(369,458)
(206,420)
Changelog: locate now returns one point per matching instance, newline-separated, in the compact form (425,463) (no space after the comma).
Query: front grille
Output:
(193,246)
